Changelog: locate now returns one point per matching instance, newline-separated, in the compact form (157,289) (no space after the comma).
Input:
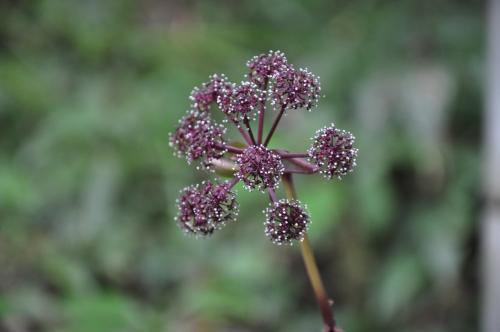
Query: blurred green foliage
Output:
(88,93)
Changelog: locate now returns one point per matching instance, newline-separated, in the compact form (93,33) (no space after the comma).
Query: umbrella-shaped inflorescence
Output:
(199,139)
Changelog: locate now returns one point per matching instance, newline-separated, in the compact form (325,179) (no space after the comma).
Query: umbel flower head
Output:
(286,221)
(272,81)
(206,207)
(264,66)
(238,102)
(204,96)
(258,167)
(332,151)
(198,137)
(295,89)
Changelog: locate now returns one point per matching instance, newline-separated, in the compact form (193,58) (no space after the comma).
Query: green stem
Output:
(312,267)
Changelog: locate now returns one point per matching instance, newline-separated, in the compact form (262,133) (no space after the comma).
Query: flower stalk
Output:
(304,165)
(288,155)
(243,133)
(299,171)
(262,112)
(250,132)
(275,124)
(322,298)
(229,148)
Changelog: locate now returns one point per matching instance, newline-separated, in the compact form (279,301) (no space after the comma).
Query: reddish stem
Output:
(233,182)
(304,164)
(229,148)
(322,298)
(299,171)
(272,195)
(250,132)
(275,124)
(288,155)
(242,131)
(262,112)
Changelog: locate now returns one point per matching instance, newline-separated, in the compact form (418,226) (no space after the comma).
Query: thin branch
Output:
(299,171)
(262,111)
(244,134)
(288,155)
(275,124)
(250,132)
(304,164)
(229,148)
(272,195)
(242,131)
(233,182)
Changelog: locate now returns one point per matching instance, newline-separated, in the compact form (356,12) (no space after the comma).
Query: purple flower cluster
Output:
(286,221)
(258,167)
(197,138)
(205,96)
(332,151)
(295,89)
(272,80)
(206,207)
(239,101)
(264,66)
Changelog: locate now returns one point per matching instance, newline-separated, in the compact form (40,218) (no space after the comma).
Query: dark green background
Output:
(89,91)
